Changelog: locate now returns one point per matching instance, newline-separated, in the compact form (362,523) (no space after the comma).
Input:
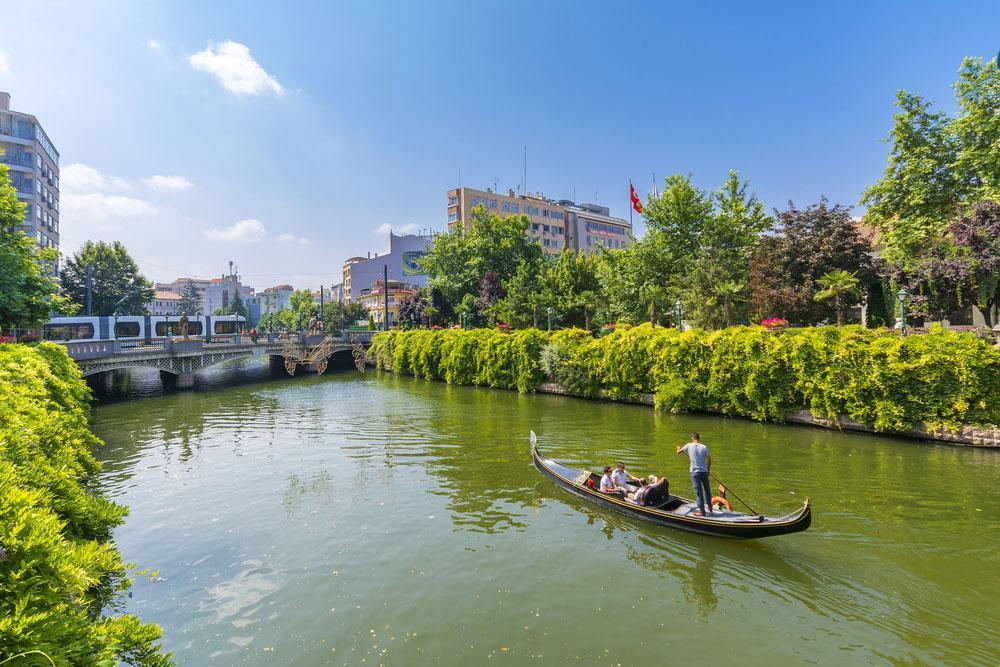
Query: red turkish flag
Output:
(636,204)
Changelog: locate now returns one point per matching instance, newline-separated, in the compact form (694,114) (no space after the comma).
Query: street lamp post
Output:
(678,306)
(548,311)
(901,296)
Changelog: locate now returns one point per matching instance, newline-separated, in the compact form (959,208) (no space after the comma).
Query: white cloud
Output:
(292,238)
(168,183)
(78,177)
(86,199)
(92,207)
(385,228)
(4,63)
(235,68)
(154,45)
(244,231)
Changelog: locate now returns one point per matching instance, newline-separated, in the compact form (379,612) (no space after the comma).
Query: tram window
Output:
(194,328)
(225,327)
(163,327)
(126,329)
(68,331)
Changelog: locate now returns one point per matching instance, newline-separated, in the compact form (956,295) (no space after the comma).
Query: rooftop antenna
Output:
(524,175)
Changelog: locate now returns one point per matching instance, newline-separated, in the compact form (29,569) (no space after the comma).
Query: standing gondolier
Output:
(701,465)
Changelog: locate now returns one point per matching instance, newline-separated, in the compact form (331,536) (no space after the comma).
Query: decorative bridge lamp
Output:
(680,314)
(901,297)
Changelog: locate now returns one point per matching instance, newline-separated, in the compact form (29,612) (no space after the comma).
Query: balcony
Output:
(16,160)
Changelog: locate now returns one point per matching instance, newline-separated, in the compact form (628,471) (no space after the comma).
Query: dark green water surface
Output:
(352,519)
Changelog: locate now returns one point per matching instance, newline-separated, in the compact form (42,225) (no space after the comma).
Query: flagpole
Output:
(630,204)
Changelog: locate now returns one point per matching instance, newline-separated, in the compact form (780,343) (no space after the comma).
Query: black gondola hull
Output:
(748,528)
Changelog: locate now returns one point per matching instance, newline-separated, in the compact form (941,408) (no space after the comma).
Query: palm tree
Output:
(728,292)
(835,285)
(587,299)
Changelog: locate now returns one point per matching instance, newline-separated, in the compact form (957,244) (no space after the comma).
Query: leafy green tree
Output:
(676,224)
(118,286)
(457,261)
(937,164)
(234,307)
(727,293)
(837,285)
(722,256)
(27,294)
(302,308)
(190,301)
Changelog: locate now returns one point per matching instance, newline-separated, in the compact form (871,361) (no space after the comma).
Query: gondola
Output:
(675,511)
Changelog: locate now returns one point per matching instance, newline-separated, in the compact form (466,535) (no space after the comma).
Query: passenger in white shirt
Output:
(621,478)
(608,484)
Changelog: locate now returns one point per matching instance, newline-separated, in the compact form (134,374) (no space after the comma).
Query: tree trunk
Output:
(586,317)
(840,310)
(652,314)
(729,314)
(534,315)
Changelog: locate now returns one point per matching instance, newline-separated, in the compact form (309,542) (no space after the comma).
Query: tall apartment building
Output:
(360,273)
(34,171)
(548,218)
(554,224)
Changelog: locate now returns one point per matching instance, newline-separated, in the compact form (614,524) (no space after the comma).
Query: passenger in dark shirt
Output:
(655,493)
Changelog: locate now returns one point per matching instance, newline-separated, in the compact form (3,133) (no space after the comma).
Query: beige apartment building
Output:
(554,224)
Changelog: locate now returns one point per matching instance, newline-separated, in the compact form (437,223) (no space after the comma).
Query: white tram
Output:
(137,327)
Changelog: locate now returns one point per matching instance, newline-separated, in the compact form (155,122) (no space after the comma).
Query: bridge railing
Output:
(140,345)
(91,349)
(362,336)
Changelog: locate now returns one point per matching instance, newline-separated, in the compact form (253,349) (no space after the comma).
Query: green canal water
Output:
(352,519)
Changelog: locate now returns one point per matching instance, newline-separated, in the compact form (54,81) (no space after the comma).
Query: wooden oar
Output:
(730,490)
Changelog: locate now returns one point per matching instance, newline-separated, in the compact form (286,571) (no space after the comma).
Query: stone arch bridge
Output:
(179,359)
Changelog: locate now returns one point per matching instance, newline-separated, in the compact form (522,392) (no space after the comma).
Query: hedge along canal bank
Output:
(972,436)
(942,385)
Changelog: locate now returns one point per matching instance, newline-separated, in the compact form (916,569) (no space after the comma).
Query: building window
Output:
(534,226)
(452,201)
(514,207)
(452,217)
(506,207)
(545,228)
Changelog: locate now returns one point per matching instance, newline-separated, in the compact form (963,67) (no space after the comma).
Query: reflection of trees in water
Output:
(179,426)
(465,439)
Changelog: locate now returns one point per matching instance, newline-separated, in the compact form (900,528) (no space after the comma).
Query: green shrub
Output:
(58,568)
(941,379)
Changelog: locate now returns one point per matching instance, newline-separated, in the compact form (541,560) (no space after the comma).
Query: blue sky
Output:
(287,136)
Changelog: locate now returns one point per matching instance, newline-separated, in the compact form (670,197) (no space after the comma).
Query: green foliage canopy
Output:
(118,286)
(60,568)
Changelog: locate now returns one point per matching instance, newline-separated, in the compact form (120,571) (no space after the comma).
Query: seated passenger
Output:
(624,480)
(644,486)
(656,493)
(608,484)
